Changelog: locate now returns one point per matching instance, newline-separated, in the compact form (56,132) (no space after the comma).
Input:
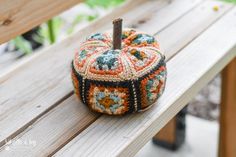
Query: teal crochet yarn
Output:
(119,81)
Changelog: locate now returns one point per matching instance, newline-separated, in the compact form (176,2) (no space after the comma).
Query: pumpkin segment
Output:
(119,73)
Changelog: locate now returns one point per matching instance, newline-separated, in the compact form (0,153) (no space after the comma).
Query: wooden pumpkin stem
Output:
(117,33)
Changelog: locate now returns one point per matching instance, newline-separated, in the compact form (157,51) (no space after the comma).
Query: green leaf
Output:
(50,30)
(22,44)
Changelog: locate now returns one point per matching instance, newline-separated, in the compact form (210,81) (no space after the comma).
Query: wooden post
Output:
(172,136)
(227,146)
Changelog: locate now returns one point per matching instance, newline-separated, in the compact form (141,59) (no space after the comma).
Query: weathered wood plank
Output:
(19,16)
(34,109)
(53,138)
(173,134)
(142,22)
(191,25)
(151,21)
(203,13)
(124,136)
(45,79)
(168,133)
(99,25)
(228,112)
(157,20)
(70,123)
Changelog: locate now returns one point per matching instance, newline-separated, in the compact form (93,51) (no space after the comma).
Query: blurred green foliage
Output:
(21,44)
(232,1)
(93,3)
(50,30)
(103,3)
(79,18)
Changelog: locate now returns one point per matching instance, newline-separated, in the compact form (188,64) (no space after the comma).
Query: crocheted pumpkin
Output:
(119,81)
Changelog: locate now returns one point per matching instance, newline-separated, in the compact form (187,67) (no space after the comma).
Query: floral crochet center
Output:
(119,81)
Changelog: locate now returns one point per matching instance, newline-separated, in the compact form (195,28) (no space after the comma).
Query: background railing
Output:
(19,16)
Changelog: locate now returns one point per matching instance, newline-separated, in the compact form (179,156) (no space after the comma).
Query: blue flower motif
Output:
(107,61)
(141,38)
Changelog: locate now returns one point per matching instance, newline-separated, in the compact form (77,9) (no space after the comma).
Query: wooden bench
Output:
(40,115)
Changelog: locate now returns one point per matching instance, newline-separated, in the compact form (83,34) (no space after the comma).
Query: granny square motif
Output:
(117,82)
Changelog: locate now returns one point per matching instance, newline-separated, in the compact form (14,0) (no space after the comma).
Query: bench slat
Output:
(188,72)
(187,28)
(45,79)
(69,121)
(169,14)
(19,16)
(35,127)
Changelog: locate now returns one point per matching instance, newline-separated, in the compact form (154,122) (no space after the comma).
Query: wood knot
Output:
(7,22)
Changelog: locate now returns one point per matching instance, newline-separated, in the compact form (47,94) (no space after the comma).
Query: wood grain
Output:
(124,136)
(205,15)
(53,84)
(228,112)
(201,17)
(46,146)
(156,20)
(68,119)
(168,132)
(98,25)
(19,16)
(44,80)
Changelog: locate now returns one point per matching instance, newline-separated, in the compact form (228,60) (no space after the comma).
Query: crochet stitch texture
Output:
(117,82)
